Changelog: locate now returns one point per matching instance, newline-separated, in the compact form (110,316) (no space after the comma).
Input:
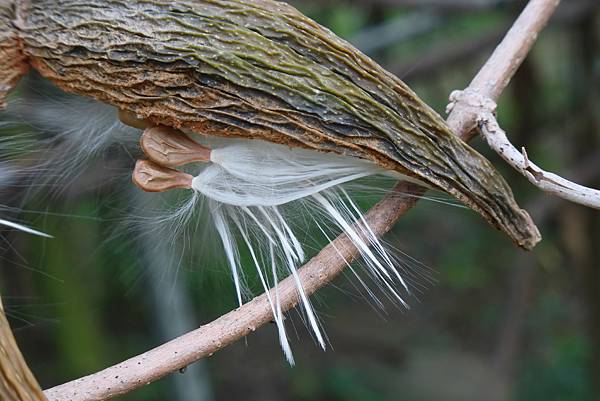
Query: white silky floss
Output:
(23,228)
(246,183)
(7,175)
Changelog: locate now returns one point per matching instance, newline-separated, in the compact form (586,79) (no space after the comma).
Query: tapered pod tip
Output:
(529,235)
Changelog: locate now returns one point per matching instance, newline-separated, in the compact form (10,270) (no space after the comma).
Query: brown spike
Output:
(171,148)
(151,177)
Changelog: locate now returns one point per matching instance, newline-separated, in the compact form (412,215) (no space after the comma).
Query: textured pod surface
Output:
(12,59)
(258,69)
(16,381)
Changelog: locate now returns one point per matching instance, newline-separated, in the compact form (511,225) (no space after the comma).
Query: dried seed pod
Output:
(259,69)
(12,58)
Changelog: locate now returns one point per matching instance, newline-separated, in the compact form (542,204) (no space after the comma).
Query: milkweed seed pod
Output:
(300,112)
(253,69)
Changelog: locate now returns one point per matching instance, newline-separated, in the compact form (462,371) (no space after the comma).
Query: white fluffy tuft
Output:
(254,191)
(257,173)
(248,182)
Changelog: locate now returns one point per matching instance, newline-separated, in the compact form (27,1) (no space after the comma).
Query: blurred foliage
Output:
(497,324)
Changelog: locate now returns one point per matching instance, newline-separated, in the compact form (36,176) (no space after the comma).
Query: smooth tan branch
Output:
(519,160)
(498,70)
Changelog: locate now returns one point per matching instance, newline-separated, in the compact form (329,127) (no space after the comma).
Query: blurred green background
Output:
(492,323)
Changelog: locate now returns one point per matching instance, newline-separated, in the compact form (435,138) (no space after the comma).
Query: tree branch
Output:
(494,76)
(546,181)
(182,351)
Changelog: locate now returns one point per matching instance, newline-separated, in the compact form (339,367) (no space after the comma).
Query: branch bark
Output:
(208,339)
(496,73)
(544,180)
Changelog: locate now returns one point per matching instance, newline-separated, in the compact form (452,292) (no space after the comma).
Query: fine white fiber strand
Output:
(275,306)
(7,173)
(229,246)
(375,266)
(62,139)
(371,294)
(279,315)
(288,252)
(290,234)
(370,235)
(23,228)
(251,184)
(265,226)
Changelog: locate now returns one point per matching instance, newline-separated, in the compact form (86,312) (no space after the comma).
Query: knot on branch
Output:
(472,101)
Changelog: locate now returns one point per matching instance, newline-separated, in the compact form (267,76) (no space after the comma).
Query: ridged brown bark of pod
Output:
(12,59)
(258,69)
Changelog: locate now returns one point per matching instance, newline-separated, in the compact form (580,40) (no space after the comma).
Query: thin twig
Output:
(178,353)
(546,181)
(519,300)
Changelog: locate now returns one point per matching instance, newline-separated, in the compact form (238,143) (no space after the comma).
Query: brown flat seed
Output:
(151,177)
(171,148)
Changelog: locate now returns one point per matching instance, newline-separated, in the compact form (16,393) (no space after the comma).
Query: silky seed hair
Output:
(260,198)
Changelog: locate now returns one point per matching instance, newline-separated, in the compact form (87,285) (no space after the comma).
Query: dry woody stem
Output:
(210,338)
(519,160)
(496,73)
